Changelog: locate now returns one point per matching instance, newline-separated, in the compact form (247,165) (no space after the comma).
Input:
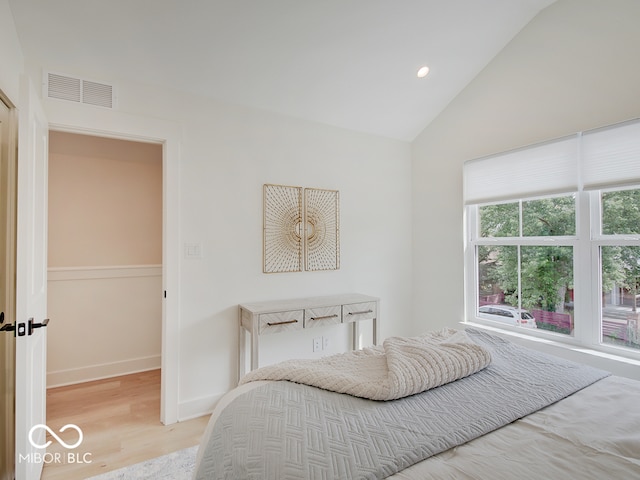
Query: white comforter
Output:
(593,434)
(402,366)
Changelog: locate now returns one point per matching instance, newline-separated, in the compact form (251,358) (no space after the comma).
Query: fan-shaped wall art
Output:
(282,229)
(291,232)
(322,222)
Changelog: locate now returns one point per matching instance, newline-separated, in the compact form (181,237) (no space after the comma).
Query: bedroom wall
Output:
(574,67)
(11,58)
(105,256)
(227,153)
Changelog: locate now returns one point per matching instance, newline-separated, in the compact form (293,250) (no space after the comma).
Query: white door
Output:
(31,285)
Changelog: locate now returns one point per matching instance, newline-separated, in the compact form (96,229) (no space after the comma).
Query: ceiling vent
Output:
(78,90)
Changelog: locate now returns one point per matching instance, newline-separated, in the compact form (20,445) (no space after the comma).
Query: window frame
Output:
(598,240)
(474,240)
(586,245)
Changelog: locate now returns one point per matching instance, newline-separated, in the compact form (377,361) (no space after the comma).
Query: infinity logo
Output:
(60,441)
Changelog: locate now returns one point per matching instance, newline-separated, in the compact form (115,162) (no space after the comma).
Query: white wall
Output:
(105,202)
(226,154)
(574,67)
(238,151)
(11,59)
(107,322)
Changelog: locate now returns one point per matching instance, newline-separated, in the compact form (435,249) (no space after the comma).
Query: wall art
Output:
(282,229)
(322,229)
(291,232)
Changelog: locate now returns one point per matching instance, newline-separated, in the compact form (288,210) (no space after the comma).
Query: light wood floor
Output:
(120,420)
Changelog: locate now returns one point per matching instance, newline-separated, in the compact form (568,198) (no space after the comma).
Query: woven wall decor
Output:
(322,229)
(291,232)
(282,228)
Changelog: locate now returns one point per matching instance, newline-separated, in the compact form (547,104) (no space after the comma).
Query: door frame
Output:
(151,130)
(10,273)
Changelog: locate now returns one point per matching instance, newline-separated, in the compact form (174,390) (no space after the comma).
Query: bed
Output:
(507,412)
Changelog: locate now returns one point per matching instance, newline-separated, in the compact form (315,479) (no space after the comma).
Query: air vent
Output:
(78,90)
(64,88)
(97,94)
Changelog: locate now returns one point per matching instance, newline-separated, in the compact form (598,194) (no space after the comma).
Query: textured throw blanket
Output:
(402,366)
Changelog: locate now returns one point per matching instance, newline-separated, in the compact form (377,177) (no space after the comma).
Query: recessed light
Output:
(422,71)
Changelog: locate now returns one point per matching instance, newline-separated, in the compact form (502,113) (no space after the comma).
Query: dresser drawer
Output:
(281,321)
(359,311)
(316,317)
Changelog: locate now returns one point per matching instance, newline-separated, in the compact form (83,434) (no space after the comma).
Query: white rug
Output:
(173,466)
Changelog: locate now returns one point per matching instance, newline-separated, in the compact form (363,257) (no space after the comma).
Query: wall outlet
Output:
(326,343)
(317,344)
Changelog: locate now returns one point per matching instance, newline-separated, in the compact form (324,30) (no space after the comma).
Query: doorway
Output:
(168,134)
(105,257)
(8,189)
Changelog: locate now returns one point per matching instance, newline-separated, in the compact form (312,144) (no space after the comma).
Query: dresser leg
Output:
(242,353)
(254,350)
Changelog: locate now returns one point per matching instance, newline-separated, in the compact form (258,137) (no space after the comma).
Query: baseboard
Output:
(105,370)
(197,407)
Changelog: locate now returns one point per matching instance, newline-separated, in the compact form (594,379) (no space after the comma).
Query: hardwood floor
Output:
(120,420)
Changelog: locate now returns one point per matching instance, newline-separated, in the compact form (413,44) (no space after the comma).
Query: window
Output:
(619,266)
(553,246)
(524,259)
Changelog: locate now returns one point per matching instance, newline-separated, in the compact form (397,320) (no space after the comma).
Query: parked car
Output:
(507,314)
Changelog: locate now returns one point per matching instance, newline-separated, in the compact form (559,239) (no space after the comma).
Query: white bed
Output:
(591,433)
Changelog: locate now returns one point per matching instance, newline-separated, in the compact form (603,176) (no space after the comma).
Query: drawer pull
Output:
(273,324)
(335,315)
(360,313)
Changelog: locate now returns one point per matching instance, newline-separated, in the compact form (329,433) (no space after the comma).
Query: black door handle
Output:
(33,325)
(9,327)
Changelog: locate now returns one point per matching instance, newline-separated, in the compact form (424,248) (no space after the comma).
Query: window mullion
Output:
(520,218)
(586,284)
(519,247)
(471,270)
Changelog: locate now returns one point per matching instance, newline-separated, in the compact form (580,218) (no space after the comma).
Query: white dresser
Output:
(264,318)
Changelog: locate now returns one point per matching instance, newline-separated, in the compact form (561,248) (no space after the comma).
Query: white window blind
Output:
(611,156)
(538,170)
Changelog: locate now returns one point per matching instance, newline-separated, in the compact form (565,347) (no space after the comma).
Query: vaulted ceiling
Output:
(348,63)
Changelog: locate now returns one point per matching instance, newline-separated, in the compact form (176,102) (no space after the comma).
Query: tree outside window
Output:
(537,278)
